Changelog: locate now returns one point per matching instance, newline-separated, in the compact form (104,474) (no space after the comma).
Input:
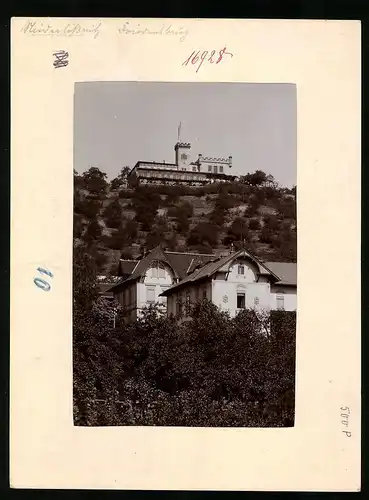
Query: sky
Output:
(117,124)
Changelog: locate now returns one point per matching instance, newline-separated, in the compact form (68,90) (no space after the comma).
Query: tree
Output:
(77,180)
(254,224)
(171,242)
(78,226)
(256,179)
(96,362)
(154,238)
(181,215)
(88,208)
(238,231)
(121,179)
(253,207)
(266,235)
(203,233)
(212,370)
(113,214)
(131,229)
(95,181)
(271,222)
(93,232)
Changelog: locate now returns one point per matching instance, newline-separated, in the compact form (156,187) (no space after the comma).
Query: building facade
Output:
(203,170)
(176,280)
(143,281)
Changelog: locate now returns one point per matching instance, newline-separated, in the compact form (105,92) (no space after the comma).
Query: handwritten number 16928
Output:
(214,56)
(41,283)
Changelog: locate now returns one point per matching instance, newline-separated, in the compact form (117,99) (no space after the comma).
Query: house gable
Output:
(224,265)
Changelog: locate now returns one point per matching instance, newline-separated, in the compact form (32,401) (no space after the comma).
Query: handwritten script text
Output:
(213,56)
(71,29)
(130,29)
(345,413)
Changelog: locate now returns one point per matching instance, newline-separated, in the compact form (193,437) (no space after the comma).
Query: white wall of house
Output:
(256,295)
(283,297)
(157,280)
(242,271)
(241,289)
(138,295)
(232,288)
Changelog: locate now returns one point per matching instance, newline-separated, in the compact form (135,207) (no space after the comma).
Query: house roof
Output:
(127,266)
(189,267)
(179,262)
(185,263)
(105,289)
(287,272)
(211,267)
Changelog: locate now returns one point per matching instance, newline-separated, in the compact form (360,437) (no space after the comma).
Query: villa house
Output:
(233,282)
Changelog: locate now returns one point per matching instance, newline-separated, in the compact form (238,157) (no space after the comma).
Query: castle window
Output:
(221,169)
(256,301)
(183,156)
(193,169)
(241,269)
(209,168)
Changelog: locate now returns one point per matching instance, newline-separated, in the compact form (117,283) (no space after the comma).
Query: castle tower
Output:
(182,150)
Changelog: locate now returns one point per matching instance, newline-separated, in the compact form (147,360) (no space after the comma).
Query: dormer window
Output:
(241,269)
(158,271)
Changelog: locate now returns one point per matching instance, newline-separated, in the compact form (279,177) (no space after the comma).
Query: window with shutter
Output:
(150,294)
(280,302)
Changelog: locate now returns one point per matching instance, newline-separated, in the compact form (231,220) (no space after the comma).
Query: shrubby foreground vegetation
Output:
(209,371)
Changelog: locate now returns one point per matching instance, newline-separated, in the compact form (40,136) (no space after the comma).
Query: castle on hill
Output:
(204,170)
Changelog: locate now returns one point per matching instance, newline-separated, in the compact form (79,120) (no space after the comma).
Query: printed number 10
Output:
(44,285)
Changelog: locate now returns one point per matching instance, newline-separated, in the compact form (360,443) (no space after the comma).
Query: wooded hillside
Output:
(113,221)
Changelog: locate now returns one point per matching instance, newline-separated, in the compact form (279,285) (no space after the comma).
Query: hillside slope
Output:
(114,222)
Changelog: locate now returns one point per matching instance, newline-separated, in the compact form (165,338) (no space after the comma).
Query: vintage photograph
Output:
(184,254)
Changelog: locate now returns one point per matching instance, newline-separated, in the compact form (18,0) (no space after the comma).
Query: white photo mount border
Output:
(323,59)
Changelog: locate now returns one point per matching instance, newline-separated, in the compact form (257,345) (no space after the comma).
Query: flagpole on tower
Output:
(179,131)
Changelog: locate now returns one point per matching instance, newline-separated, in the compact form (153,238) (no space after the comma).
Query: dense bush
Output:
(181,214)
(209,371)
(237,231)
(88,208)
(113,214)
(203,233)
(254,224)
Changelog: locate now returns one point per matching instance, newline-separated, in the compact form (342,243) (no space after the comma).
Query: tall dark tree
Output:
(95,181)
(113,214)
